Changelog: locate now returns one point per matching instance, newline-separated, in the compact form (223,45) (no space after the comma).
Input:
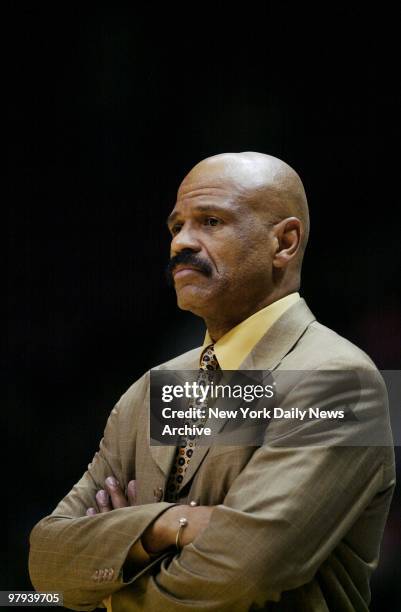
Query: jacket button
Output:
(158,494)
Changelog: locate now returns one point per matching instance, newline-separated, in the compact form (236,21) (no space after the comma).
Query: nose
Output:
(185,239)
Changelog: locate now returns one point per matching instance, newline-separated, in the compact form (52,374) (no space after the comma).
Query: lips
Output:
(184,270)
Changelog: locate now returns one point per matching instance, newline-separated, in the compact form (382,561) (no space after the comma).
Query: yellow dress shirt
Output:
(231,350)
(236,344)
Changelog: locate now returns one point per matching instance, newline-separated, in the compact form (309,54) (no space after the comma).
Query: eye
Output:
(175,228)
(212,221)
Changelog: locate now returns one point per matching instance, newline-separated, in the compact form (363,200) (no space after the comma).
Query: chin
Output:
(192,299)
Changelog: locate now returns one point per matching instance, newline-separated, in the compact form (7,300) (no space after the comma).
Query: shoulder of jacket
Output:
(320,345)
(186,361)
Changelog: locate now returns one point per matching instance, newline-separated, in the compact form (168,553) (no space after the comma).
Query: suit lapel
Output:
(266,355)
(279,339)
(164,455)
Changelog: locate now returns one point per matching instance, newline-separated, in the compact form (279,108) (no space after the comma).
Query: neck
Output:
(219,326)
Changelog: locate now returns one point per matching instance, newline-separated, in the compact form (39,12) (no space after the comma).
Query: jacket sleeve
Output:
(284,514)
(82,556)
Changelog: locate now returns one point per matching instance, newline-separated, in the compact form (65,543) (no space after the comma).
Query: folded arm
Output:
(97,538)
(83,555)
(282,517)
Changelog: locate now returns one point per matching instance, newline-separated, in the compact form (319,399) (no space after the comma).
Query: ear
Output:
(288,238)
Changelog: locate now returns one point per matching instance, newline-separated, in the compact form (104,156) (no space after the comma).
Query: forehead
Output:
(207,191)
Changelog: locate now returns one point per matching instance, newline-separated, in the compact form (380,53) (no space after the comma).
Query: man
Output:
(283,526)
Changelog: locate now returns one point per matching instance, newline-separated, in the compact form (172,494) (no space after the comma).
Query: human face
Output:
(223,249)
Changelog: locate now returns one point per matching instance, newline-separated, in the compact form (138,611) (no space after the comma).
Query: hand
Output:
(162,533)
(112,496)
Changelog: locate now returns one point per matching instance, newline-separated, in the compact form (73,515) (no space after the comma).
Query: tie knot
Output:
(209,359)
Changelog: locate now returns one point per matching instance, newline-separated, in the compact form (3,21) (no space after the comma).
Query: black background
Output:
(108,108)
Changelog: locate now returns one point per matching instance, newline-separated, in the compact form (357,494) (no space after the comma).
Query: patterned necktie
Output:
(184,452)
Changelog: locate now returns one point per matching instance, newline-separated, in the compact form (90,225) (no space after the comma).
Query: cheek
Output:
(249,261)
(233,248)
(244,251)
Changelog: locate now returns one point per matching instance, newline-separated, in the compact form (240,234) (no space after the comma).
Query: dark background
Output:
(108,108)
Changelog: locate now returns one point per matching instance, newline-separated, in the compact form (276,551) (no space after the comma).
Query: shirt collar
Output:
(232,348)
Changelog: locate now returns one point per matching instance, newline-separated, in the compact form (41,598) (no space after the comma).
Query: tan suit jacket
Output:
(296,527)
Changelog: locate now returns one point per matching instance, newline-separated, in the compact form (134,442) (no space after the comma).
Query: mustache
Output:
(187,257)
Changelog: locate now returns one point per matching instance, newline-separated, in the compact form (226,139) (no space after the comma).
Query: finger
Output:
(113,488)
(91,512)
(131,491)
(103,501)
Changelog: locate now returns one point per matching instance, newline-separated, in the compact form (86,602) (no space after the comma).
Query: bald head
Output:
(262,181)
